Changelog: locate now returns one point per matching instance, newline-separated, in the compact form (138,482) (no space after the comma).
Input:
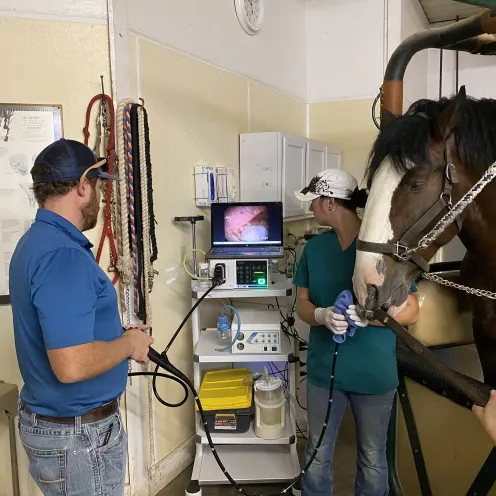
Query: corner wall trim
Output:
(172,465)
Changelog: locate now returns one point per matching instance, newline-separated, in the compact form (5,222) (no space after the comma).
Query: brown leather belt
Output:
(94,415)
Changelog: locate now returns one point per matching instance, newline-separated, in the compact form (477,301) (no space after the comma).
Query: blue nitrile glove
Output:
(344,305)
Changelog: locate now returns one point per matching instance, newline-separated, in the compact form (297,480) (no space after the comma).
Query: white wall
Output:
(412,21)
(73,10)
(77,54)
(209,30)
(350,41)
(477,72)
(345,48)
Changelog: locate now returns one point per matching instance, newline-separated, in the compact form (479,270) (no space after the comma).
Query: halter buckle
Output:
(450,173)
(446,197)
(401,251)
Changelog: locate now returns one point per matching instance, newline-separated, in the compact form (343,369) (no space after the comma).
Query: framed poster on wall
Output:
(24,131)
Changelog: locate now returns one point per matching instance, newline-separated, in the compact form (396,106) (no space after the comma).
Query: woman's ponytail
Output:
(357,200)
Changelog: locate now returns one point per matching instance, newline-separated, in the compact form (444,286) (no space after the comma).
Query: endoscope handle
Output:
(157,358)
(163,361)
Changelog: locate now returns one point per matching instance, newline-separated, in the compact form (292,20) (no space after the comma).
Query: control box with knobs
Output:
(260,332)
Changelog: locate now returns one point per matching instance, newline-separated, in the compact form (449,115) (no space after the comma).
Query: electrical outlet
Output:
(182,252)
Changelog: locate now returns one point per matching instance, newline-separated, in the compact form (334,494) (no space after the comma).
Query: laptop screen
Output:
(247,224)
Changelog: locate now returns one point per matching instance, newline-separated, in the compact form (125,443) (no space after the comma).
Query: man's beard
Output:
(89,212)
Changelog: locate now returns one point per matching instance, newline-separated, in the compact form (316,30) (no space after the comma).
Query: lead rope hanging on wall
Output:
(146,273)
(125,264)
(128,144)
(143,211)
(105,140)
(147,214)
(135,223)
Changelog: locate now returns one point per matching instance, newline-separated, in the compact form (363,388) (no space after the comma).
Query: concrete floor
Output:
(344,470)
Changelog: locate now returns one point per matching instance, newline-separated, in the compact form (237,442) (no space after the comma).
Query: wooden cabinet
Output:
(275,165)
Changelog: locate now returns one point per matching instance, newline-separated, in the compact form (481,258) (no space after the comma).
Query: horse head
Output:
(417,168)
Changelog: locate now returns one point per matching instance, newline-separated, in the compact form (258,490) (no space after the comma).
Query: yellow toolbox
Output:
(227,400)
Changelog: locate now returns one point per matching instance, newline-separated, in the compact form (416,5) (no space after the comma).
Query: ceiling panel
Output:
(447,10)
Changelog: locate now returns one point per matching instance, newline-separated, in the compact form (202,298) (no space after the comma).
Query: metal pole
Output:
(195,268)
(413,437)
(457,56)
(440,73)
(192,220)
(485,478)
(13,455)
(394,479)
(464,34)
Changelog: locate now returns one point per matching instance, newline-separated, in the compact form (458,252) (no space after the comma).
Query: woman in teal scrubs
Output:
(366,372)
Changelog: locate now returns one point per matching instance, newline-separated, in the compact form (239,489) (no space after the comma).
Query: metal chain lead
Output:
(128,321)
(113,216)
(106,138)
(112,224)
(98,139)
(459,207)
(106,129)
(476,292)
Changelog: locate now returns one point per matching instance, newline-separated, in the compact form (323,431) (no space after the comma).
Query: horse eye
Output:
(417,187)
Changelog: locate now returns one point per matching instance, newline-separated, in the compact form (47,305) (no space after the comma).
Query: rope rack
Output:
(123,137)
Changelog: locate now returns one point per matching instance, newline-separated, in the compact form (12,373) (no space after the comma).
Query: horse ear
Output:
(448,118)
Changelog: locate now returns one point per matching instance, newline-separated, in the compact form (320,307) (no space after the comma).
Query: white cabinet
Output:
(316,159)
(320,156)
(275,165)
(294,161)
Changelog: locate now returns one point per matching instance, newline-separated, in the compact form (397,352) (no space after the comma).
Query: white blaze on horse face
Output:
(376,227)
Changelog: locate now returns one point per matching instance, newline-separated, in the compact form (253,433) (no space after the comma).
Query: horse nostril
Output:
(372,295)
(372,291)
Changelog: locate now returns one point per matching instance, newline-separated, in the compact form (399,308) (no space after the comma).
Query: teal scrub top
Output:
(366,362)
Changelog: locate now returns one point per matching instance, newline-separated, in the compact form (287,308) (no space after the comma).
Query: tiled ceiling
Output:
(447,10)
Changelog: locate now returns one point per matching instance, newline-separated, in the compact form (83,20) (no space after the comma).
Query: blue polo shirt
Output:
(61,298)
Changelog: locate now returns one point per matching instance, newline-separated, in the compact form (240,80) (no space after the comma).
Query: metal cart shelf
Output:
(248,458)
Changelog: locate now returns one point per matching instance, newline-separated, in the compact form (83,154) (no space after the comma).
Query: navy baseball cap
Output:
(70,160)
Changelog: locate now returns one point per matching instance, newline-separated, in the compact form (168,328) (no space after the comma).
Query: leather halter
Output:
(107,225)
(403,249)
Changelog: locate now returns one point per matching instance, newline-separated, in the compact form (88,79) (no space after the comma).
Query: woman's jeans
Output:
(372,413)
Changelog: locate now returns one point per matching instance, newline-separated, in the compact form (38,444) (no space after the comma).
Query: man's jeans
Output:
(371,413)
(81,460)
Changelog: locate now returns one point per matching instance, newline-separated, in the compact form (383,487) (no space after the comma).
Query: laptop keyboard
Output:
(240,250)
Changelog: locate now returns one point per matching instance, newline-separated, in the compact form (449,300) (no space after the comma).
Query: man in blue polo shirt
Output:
(71,348)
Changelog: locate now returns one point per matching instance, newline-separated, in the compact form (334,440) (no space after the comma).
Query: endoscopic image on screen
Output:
(246,224)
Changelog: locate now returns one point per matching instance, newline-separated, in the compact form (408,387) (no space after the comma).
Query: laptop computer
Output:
(246,230)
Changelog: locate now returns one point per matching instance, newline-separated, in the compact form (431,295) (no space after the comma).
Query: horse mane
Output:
(405,141)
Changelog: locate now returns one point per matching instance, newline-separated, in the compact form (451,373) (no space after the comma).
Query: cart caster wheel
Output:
(297,489)
(193,489)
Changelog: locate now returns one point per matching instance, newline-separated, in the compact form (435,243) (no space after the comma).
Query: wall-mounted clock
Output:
(250,14)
